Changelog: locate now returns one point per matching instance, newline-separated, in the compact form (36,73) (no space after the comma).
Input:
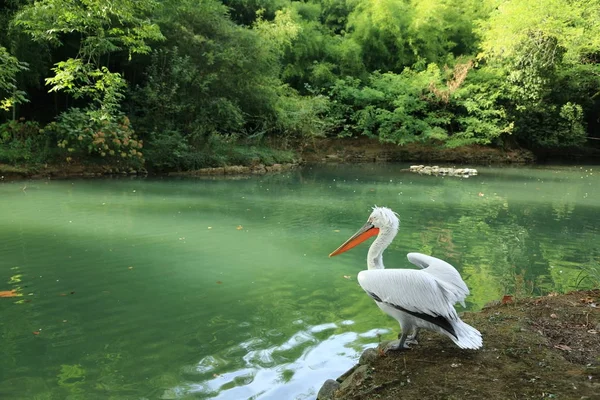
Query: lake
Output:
(202,288)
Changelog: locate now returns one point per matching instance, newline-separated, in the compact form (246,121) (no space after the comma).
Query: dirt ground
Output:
(535,348)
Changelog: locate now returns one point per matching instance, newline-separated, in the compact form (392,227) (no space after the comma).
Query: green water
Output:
(222,288)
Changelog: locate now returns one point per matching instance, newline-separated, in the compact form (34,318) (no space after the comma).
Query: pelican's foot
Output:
(395,345)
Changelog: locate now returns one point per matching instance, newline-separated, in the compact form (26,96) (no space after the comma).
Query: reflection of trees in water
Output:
(533,238)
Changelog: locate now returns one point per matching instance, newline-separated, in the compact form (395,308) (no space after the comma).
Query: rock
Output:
(436,170)
(357,377)
(236,169)
(328,390)
(259,169)
(346,374)
(368,356)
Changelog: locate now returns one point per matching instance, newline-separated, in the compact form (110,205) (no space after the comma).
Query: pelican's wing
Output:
(409,290)
(442,271)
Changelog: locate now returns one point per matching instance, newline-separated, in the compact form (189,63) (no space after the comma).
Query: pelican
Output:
(415,298)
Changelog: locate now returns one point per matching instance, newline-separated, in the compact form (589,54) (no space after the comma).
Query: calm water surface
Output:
(202,288)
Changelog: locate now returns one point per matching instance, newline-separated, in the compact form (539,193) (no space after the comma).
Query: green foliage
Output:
(10,66)
(104,26)
(448,72)
(81,80)
(22,142)
(170,151)
(430,105)
(532,44)
(89,132)
(481,116)
(301,116)
(573,25)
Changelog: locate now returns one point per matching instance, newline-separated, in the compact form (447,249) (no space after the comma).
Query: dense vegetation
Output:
(179,84)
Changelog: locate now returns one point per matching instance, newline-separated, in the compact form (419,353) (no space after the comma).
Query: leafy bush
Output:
(170,151)
(301,115)
(22,142)
(89,131)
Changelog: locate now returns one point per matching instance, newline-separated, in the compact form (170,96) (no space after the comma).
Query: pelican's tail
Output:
(467,337)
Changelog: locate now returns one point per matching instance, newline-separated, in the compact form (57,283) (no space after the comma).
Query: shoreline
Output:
(538,347)
(319,151)
(348,150)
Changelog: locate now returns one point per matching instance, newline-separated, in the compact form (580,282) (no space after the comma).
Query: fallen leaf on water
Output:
(553,316)
(129,267)
(562,347)
(210,227)
(72,292)
(62,294)
(507,299)
(480,194)
(64,320)
(336,230)
(239,227)
(219,282)
(36,332)
(9,293)
(347,276)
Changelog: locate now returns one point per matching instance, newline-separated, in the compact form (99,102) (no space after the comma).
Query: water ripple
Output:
(264,377)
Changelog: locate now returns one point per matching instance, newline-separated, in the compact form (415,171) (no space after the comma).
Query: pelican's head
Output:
(382,218)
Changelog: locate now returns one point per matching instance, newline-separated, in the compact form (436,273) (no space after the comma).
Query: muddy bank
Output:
(8,172)
(362,149)
(336,150)
(258,169)
(546,347)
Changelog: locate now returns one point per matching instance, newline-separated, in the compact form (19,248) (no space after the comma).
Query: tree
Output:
(96,29)
(10,95)
(533,44)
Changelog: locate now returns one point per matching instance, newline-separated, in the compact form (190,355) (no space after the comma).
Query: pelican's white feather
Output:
(410,289)
(444,272)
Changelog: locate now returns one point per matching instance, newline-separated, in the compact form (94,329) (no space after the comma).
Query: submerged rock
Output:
(436,170)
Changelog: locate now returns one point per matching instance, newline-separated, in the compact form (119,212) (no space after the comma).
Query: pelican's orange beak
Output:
(363,234)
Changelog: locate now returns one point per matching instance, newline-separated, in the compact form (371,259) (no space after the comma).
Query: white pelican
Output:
(415,298)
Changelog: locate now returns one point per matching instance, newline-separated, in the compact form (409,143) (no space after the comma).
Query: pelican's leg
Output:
(412,338)
(399,344)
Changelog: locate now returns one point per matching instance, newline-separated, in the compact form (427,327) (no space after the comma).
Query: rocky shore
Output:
(258,169)
(534,348)
(93,171)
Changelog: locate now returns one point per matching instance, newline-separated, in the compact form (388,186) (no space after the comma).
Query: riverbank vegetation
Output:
(178,85)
